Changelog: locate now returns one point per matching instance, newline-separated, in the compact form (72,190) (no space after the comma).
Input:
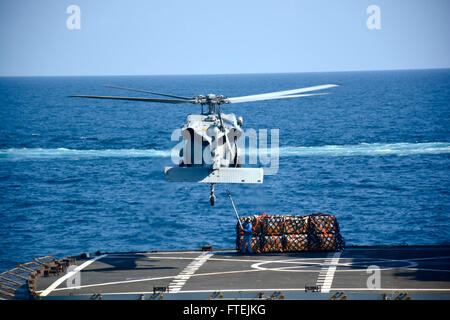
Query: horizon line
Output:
(216,74)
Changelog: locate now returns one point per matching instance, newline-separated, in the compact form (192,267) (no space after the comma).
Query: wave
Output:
(40,153)
(368,149)
(363,149)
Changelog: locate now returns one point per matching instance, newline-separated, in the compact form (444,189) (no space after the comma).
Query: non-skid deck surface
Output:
(419,270)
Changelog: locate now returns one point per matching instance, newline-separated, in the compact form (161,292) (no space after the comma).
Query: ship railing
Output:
(20,282)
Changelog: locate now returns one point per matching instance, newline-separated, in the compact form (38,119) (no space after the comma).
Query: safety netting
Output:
(290,233)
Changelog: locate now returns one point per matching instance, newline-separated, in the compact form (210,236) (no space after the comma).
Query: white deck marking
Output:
(158,278)
(69,274)
(348,290)
(336,289)
(430,258)
(326,275)
(179,281)
(113,283)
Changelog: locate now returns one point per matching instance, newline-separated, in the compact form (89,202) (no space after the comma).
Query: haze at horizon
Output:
(202,37)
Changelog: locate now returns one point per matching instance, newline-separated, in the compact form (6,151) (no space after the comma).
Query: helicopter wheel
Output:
(212,197)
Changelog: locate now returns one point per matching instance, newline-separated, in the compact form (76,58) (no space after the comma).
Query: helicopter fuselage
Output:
(210,140)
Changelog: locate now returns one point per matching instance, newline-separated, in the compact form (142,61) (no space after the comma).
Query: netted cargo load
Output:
(296,242)
(276,233)
(325,242)
(323,223)
(296,224)
(257,224)
(272,244)
(255,243)
(272,225)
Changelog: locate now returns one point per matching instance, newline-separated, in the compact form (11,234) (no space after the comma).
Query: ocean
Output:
(82,175)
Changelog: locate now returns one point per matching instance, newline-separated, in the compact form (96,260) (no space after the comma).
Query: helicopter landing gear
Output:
(212,197)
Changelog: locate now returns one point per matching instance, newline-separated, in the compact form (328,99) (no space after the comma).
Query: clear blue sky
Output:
(145,37)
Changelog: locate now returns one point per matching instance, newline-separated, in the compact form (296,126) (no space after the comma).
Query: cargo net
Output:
(276,233)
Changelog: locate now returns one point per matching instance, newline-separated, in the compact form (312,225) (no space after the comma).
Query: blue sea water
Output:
(80,175)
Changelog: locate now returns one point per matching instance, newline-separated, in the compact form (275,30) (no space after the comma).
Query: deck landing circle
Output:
(345,265)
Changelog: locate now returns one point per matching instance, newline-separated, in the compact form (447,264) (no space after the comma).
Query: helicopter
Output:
(210,153)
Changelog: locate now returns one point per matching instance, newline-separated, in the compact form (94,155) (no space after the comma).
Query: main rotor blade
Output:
(259,98)
(136,99)
(146,91)
(273,95)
